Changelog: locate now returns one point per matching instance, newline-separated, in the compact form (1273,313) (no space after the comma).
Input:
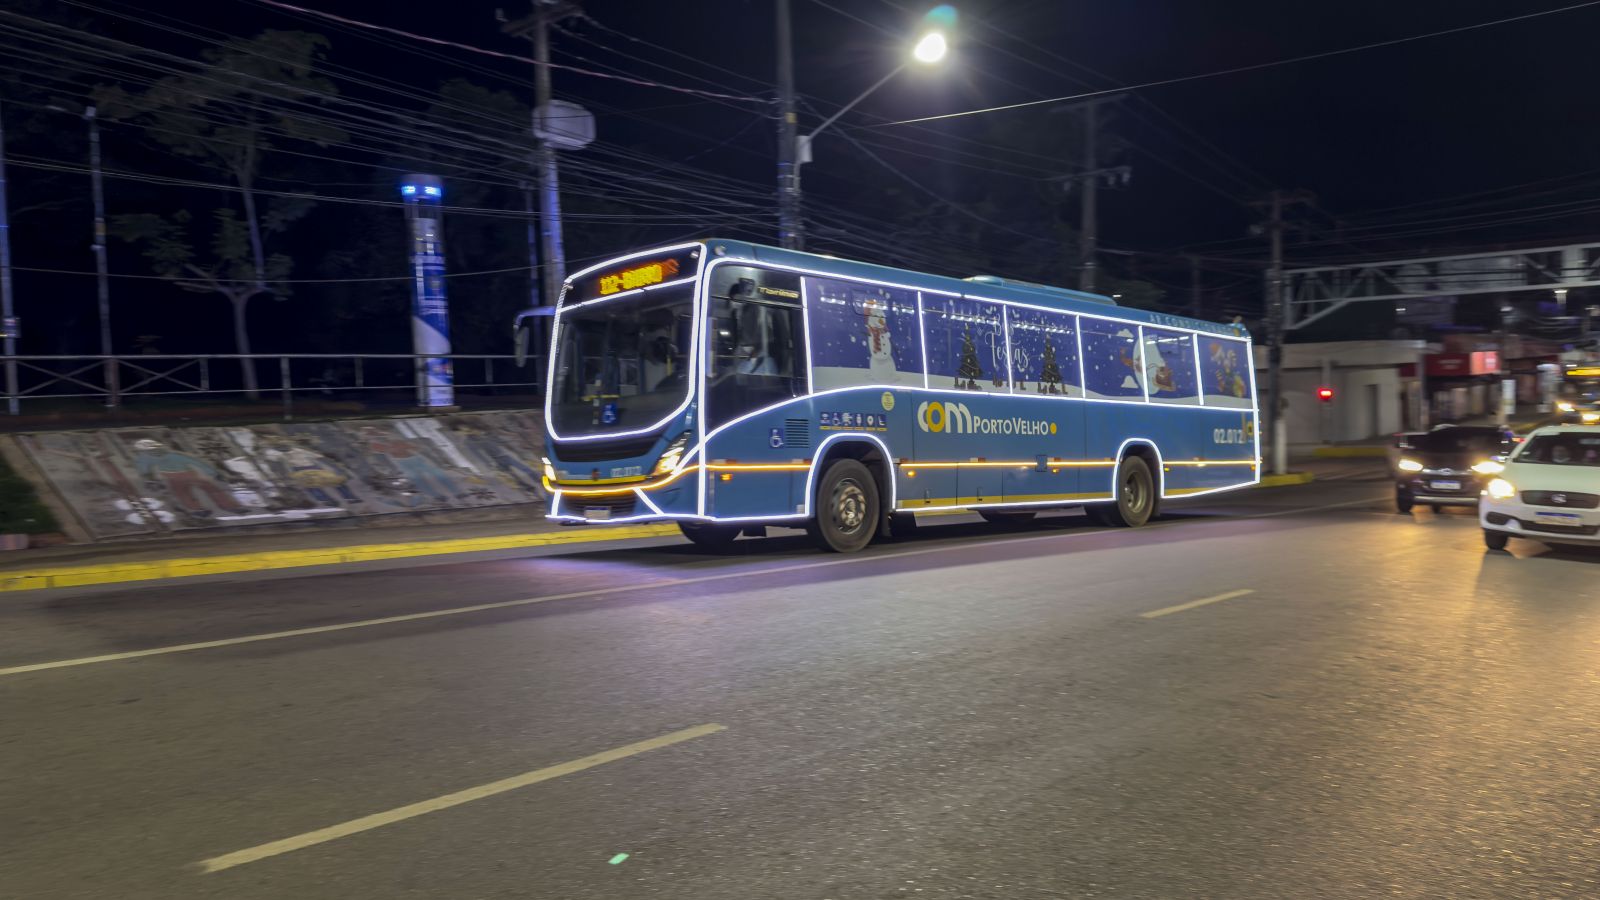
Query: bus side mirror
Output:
(521,340)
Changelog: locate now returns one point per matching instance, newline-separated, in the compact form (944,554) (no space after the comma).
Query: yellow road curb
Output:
(1349,452)
(1287,479)
(113,573)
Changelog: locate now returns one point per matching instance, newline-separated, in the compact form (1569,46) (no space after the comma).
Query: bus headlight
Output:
(1489,467)
(1501,489)
(672,455)
(549,470)
(1410,465)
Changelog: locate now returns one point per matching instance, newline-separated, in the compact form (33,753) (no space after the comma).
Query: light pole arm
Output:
(852,104)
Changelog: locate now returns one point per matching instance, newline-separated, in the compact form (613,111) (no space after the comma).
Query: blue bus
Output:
(728,386)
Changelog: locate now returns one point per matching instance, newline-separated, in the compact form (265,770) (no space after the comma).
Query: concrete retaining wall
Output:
(148,481)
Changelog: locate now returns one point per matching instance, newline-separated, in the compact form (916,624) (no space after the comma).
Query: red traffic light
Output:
(1325,394)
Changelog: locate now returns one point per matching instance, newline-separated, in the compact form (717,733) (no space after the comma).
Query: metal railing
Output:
(392,378)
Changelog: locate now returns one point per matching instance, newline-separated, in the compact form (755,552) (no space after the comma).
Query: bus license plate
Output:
(1553,518)
(1446,485)
(597,514)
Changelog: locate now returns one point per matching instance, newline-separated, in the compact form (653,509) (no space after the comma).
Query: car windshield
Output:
(1567,448)
(1486,441)
(623,364)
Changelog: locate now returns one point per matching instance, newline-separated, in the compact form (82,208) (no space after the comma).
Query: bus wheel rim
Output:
(849,506)
(1133,489)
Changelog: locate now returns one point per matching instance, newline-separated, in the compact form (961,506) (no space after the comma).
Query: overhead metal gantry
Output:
(1315,293)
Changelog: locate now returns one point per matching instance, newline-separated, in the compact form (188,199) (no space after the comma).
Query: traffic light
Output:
(1325,394)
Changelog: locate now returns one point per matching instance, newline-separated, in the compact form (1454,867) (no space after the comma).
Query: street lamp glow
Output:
(931,48)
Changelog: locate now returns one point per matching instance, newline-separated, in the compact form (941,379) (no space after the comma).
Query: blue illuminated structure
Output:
(430,311)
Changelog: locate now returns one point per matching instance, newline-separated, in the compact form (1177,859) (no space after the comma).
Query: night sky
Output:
(1396,143)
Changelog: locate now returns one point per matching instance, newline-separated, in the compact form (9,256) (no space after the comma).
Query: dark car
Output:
(1449,465)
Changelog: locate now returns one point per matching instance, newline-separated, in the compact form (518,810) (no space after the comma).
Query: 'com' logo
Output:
(935,416)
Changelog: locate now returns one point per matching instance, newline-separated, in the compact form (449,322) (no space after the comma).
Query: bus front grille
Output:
(602,451)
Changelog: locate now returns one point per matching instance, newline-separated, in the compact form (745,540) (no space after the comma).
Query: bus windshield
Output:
(622,364)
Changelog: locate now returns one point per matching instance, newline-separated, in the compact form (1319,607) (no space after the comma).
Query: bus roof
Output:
(984,286)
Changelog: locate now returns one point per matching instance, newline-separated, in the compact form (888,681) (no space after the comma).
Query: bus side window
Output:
(1225,372)
(1044,352)
(1169,366)
(862,334)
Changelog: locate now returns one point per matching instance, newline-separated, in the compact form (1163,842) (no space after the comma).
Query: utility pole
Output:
(102,282)
(1276,320)
(536,28)
(791,228)
(8,318)
(1089,215)
(1089,234)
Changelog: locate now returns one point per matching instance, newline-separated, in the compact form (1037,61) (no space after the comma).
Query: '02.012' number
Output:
(1230,436)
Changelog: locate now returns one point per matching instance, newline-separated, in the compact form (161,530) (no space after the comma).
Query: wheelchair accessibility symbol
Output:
(775,438)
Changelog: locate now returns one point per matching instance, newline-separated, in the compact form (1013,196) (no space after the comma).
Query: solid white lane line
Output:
(592,592)
(1203,601)
(411,811)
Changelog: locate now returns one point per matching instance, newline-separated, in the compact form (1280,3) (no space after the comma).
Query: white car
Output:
(1549,490)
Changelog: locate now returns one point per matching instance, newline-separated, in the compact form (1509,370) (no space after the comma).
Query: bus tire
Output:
(845,510)
(710,536)
(1136,495)
(1019,517)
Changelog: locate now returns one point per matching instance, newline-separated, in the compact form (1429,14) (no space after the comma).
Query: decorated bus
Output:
(729,386)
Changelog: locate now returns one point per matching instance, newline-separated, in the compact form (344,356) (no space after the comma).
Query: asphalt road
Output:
(1367,704)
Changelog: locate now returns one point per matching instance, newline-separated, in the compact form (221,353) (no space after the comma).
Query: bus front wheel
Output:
(1136,496)
(846,507)
(710,536)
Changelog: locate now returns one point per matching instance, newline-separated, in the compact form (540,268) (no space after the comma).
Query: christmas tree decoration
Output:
(969,368)
(1050,377)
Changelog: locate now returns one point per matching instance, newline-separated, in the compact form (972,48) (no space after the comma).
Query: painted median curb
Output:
(149,570)
(1365,452)
(1287,479)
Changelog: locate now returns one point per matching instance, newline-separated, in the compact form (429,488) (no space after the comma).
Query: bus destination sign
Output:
(653,272)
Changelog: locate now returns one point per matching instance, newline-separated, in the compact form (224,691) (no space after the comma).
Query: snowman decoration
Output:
(881,351)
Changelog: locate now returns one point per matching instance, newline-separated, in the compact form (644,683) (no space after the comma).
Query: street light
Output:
(930,48)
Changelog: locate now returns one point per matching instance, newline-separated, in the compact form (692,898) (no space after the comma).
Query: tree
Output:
(227,115)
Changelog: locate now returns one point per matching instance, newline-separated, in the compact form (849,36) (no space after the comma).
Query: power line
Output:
(357,23)
(1250,68)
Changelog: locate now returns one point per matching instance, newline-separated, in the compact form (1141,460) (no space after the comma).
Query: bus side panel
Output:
(1044,482)
(756,468)
(1184,437)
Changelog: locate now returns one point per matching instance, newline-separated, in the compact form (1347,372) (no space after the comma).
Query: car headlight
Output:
(549,470)
(1589,418)
(673,455)
(1410,465)
(1501,489)
(1489,467)
(1563,406)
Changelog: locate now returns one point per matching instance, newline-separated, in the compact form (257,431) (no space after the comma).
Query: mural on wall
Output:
(150,480)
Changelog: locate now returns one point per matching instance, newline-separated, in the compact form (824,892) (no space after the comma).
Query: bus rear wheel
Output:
(1136,496)
(710,536)
(846,507)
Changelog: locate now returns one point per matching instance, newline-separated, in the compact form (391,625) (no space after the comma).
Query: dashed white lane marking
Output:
(1203,601)
(411,811)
